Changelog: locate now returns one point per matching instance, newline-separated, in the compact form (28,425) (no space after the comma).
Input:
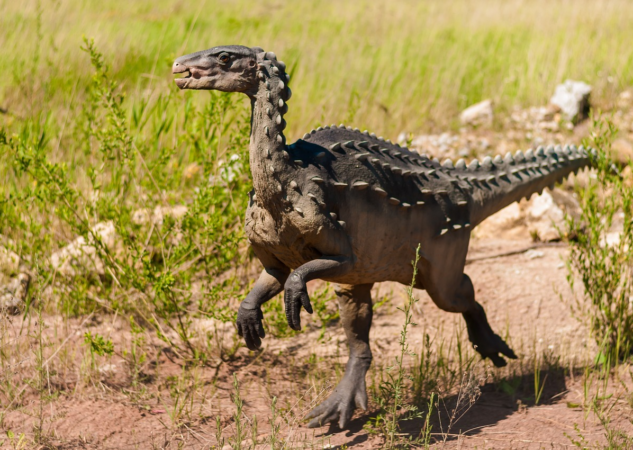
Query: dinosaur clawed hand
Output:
(340,405)
(250,326)
(296,296)
(484,340)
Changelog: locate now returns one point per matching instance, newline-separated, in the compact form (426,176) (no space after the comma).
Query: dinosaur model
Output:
(351,208)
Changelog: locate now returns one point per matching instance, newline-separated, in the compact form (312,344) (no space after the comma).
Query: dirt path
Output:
(526,297)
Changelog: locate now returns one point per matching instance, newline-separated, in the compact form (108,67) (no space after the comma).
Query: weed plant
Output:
(602,252)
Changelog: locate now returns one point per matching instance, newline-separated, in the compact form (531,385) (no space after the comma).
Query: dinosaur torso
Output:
(339,183)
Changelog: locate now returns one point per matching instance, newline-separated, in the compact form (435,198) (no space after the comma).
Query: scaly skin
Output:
(351,208)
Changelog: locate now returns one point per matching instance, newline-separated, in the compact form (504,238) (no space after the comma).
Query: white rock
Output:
(572,97)
(13,295)
(479,113)
(544,216)
(9,261)
(81,254)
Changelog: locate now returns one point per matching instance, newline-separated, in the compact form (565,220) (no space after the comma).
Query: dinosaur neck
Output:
(268,155)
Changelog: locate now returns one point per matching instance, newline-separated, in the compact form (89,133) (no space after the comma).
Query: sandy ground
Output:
(527,299)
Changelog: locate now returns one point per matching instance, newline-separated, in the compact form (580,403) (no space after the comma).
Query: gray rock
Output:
(572,97)
(478,114)
(13,295)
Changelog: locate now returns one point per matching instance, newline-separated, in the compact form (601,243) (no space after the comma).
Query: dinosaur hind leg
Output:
(356,314)
(462,299)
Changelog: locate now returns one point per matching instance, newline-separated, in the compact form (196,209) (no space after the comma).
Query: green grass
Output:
(387,66)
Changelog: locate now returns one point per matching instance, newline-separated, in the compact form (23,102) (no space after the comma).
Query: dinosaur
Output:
(351,208)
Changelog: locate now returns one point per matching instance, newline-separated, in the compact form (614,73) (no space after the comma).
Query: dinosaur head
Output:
(228,68)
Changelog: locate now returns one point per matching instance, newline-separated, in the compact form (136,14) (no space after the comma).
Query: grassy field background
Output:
(95,136)
(388,66)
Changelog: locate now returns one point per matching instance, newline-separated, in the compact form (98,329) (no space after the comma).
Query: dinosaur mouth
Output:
(191,78)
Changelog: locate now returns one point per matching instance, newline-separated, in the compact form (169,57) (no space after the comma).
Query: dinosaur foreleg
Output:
(487,343)
(296,294)
(356,314)
(249,316)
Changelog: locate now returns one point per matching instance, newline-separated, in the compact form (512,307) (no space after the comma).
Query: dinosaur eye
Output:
(224,58)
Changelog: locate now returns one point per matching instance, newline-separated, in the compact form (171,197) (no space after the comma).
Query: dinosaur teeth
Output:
(394,201)
(457,226)
(360,185)
(317,179)
(380,191)
(341,223)
(419,203)
(405,205)
(333,216)
(444,231)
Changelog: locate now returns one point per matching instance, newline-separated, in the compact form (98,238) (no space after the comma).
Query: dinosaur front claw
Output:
(296,296)
(250,326)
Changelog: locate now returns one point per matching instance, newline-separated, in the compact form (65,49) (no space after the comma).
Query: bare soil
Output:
(527,299)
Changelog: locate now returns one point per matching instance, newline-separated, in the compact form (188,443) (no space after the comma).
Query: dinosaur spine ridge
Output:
(502,181)
(268,152)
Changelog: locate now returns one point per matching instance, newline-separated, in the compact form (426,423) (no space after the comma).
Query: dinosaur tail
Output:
(500,181)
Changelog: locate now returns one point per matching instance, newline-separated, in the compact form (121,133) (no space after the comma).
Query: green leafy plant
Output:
(602,258)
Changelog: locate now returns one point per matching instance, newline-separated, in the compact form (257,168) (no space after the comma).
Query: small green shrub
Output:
(602,253)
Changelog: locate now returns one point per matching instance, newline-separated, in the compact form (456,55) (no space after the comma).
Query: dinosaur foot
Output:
(340,405)
(484,340)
